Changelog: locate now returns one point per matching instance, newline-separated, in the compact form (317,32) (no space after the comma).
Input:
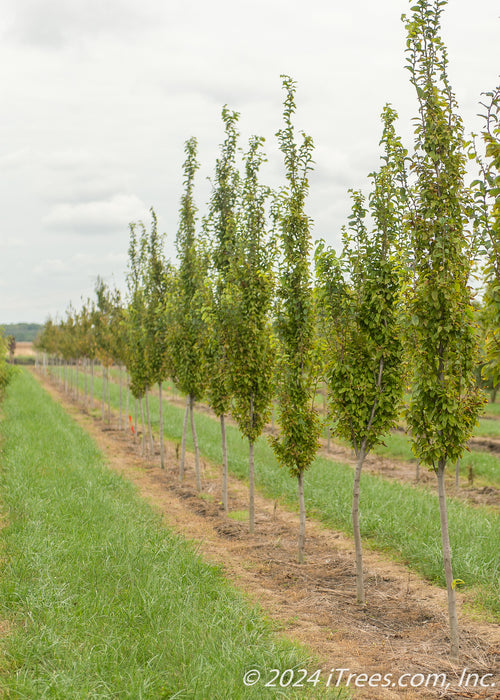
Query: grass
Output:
(104,601)
(486,466)
(396,518)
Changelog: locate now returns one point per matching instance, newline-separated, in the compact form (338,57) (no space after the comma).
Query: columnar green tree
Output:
(222,223)
(247,304)
(297,443)
(187,334)
(135,318)
(156,284)
(487,200)
(445,400)
(361,321)
(102,312)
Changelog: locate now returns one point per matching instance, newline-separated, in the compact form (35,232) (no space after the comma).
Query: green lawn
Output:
(397,518)
(104,601)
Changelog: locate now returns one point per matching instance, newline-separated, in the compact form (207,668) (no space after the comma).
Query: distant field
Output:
(24,349)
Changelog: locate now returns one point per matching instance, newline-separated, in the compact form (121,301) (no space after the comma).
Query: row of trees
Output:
(242,318)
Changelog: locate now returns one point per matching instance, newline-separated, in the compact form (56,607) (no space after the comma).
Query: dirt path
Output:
(403,628)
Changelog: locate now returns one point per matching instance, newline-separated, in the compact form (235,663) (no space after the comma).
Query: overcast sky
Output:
(99,96)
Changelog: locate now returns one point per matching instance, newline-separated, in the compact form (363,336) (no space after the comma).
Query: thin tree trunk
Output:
(109,399)
(150,432)
(360,589)
(302,517)
(160,400)
(92,385)
(448,571)
(135,419)
(120,421)
(76,381)
(195,443)
(127,406)
(86,382)
(251,487)
(328,438)
(457,474)
(417,476)
(143,429)
(103,402)
(183,444)
(224,462)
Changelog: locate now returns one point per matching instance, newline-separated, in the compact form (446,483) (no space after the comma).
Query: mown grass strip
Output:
(104,601)
(397,518)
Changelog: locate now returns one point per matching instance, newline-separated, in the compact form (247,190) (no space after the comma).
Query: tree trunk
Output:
(417,474)
(224,463)
(360,589)
(457,474)
(160,404)
(121,400)
(135,419)
(302,516)
(183,447)
(92,385)
(143,442)
(109,399)
(150,432)
(127,405)
(195,443)
(251,487)
(103,401)
(448,571)
(86,382)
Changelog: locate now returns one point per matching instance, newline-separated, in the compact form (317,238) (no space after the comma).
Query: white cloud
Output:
(51,267)
(97,217)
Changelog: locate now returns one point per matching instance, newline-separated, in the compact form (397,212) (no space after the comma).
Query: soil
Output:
(402,629)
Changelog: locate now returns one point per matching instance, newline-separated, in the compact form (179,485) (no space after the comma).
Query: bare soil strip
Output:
(402,629)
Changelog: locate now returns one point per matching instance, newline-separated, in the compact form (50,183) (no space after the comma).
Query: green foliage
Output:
(358,297)
(445,400)
(136,313)
(297,369)
(487,200)
(5,369)
(101,317)
(185,307)
(157,288)
(221,228)
(246,304)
